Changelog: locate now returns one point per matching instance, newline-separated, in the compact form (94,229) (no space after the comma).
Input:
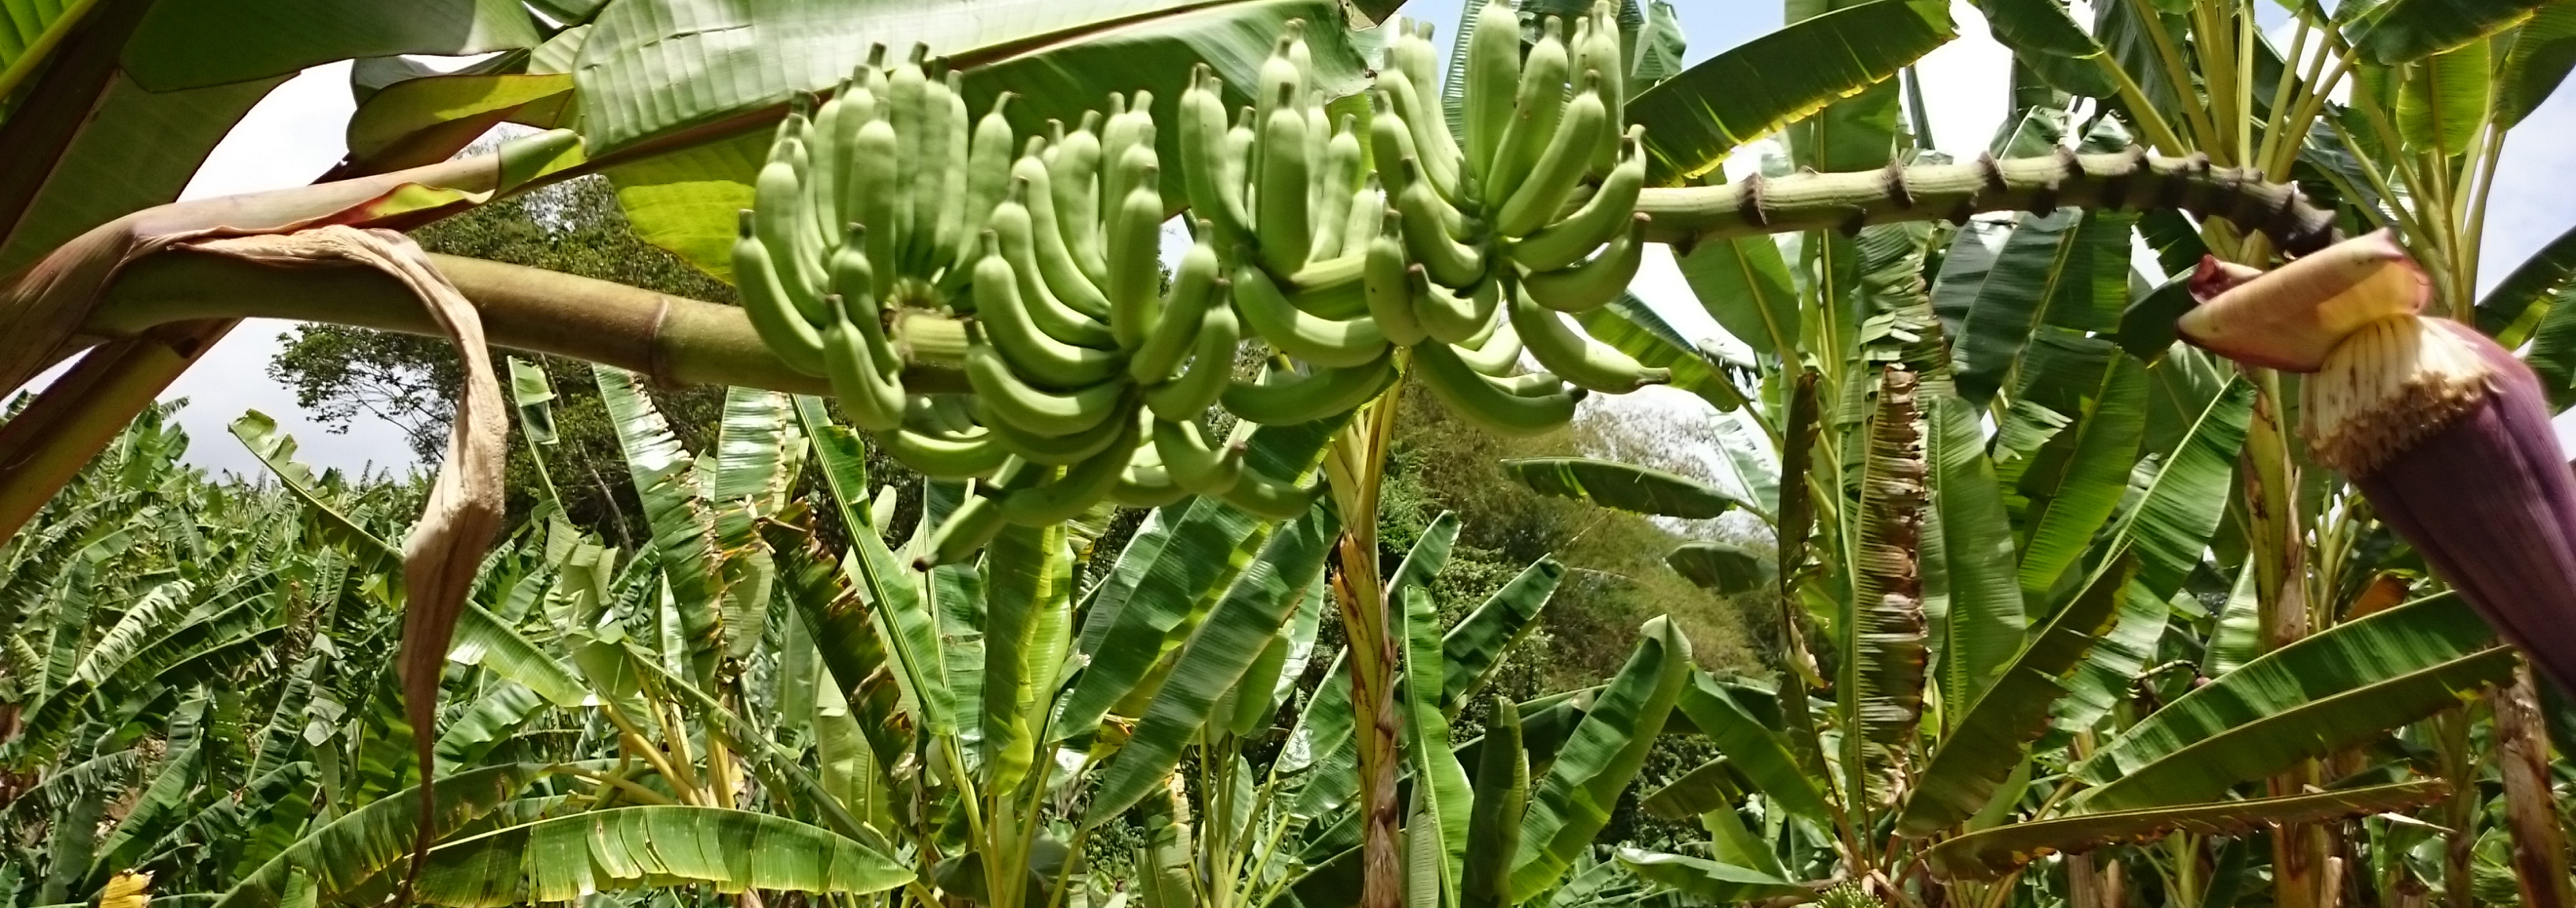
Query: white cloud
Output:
(289,138)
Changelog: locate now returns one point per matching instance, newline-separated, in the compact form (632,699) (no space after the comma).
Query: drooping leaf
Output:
(1722,568)
(1627,487)
(1705,112)
(1991,853)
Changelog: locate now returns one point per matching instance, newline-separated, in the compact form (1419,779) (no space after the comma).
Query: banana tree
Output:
(686,161)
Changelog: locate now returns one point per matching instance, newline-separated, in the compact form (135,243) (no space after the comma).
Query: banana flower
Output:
(2446,433)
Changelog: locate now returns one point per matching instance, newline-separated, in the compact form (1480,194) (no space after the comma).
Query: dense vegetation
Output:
(2000,567)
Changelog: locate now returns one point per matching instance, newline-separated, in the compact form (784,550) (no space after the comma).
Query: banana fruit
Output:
(1349,242)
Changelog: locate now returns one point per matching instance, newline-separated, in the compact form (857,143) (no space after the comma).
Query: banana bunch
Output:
(857,219)
(1532,215)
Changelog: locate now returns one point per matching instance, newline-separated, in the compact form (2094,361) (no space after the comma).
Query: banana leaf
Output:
(1574,800)
(1992,853)
(1473,649)
(566,858)
(1755,748)
(1993,739)
(1627,487)
(340,855)
(1708,110)
(1214,659)
(2335,689)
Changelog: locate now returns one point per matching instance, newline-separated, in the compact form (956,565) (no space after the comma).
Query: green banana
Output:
(1536,107)
(784,330)
(1387,288)
(1561,167)
(1496,353)
(1530,384)
(1082,485)
(851,278)
(855,105)
(1075,172)
(1281,81)
(1600,219)
(1447,317)
(1361,223)
(1593,284)
(1203,149)
(1147,486)
(1262,496)
(1318,340)
(1426,238)
(977,519)
(1064,450)
(873,193)
(1279,205)
(1236,163)
(1329,287)
(821,175)
(1429,131)
(1192,462)
(1322,392)
(1487,403)
(1184,311)
(1599,48)
(907,89)
(1331,202)
(1575,356)
(954,243)
(1135,239)
(1012,224)
(1029,409)
(870,402)
(988,167)
(1064,276)
(778,219)
(1493,73)
(1045,361)
(1121,133)
(942,455)
(1211,366)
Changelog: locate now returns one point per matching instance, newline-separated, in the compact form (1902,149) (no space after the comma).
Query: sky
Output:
(296,133)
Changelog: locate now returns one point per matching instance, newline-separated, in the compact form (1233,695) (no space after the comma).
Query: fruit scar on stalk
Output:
(2445,432)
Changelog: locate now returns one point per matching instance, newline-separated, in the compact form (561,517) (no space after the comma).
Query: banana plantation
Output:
(2156,508)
